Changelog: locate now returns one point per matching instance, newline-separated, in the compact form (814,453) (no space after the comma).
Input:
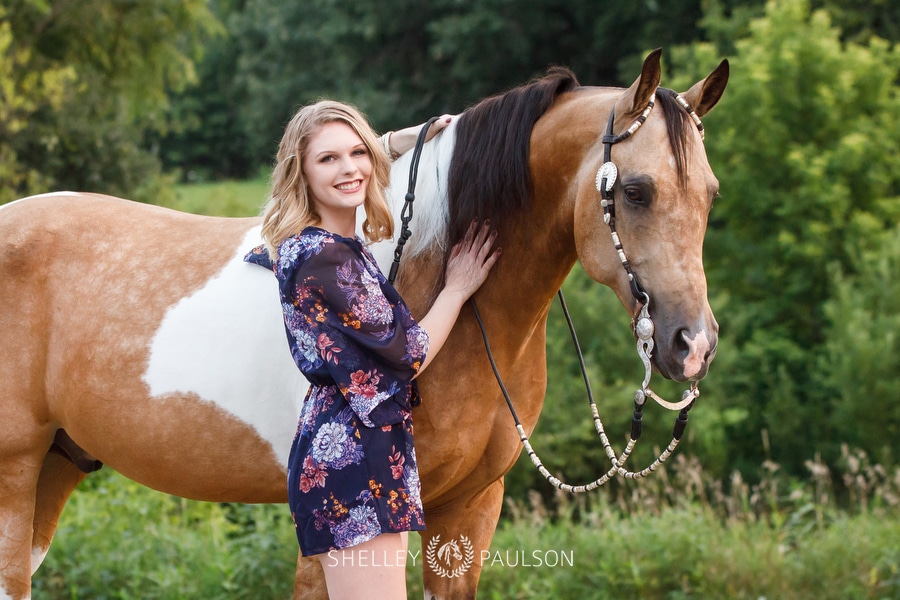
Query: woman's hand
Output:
(436,127)
(467,268)
(404,140)
(471,259)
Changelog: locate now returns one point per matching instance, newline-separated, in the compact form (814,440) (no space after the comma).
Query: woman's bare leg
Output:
(375,569)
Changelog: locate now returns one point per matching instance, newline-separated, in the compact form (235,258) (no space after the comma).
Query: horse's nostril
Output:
(680,346)
(693,351)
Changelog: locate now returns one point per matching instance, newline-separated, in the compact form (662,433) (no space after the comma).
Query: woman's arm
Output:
(404,140)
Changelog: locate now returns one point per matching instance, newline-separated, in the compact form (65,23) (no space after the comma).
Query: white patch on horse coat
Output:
(5,596)
(698,347)
(226,343)
(37,558)
(430,211)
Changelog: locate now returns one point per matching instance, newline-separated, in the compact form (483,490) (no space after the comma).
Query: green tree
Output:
(207,139)
(83,82)
(22,92)
(403,61)
(804,144)
(860,20)
(860,362)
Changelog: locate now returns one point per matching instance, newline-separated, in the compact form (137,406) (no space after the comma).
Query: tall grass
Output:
(677,535)
(118,539)
(684,535)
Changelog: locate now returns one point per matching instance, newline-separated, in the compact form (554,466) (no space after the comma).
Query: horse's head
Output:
(659,206)
(527,160)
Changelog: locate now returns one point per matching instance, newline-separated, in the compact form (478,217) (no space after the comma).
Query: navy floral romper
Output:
(352,471)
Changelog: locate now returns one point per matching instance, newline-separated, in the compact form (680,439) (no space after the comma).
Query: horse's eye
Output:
(638,190)
(633,194)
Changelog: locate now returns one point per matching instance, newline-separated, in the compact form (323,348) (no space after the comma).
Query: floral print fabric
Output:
(352,469)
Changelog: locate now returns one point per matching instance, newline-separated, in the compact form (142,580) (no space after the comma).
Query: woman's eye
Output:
(360,152)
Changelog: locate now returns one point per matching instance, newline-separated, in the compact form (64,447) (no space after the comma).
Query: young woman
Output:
(353,485)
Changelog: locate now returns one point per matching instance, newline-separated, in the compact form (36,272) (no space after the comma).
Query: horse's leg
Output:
(471,524)
(19,472)
(309,583)
(59,476)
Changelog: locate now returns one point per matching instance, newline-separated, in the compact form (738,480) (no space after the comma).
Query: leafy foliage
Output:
(401,61)
(804,147)
(78,100)
(860,360)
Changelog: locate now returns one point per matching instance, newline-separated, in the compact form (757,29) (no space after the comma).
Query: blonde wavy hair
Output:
(290,207)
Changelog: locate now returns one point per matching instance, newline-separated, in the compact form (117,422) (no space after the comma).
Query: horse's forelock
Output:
(489,176)
(677,119)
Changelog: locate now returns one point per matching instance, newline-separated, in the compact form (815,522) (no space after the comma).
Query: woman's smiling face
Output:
(338,169)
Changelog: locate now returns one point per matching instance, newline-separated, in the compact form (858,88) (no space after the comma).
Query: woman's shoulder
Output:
(313,246)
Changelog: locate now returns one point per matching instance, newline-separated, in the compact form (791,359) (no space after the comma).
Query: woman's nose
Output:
(348,165)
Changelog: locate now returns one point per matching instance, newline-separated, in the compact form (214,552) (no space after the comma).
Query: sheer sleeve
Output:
(364,336)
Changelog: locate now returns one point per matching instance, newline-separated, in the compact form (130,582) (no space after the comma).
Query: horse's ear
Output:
(635,99)
(704,94)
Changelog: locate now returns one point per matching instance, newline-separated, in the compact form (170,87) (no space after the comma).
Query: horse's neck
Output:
(519,289)
(537,256)
(538,247)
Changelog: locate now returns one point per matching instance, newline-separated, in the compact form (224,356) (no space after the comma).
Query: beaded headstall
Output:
(643,330)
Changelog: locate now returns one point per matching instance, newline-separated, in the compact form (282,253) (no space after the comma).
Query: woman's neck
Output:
(344,227)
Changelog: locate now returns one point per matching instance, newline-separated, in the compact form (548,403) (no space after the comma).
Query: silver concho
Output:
(644,328)
(610,172)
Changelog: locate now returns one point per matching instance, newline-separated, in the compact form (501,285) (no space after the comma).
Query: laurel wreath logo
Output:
(437,553)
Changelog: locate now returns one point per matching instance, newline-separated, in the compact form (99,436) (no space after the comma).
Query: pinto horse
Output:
(136,336)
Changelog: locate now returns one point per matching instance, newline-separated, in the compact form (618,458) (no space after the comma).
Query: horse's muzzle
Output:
(690,352)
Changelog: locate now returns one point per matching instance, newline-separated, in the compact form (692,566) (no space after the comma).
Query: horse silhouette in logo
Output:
(449,551)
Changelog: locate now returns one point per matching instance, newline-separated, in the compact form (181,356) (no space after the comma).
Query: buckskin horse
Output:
(136,336)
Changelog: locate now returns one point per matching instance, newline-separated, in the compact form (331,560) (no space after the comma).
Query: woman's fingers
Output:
(487,244)
(438,126)
(477,241)
(480,254)
(484,242)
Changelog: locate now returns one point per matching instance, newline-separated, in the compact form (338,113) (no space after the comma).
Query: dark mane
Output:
(677,119)
(489,175)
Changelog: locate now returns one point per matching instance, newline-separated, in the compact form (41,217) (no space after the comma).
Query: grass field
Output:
(678,537)
(226,198)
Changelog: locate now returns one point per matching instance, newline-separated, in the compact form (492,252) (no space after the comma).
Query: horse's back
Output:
(42,227)
(69,258)
(122,323)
